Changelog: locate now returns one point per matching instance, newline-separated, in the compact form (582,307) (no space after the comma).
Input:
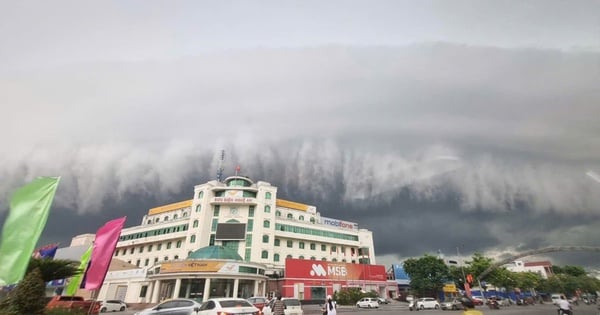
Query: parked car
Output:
(175,307)
(383,301)
(73,303)
(453,304)
(230,306)
(429,303)
(258,302)
(477,299)
(367,302)
(292,307)
(112,306)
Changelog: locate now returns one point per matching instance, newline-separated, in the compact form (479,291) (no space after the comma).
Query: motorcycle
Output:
(565,312)
(493,304)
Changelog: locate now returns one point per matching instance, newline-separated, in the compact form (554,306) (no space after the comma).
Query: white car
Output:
(174,307)
(424,303)
(112,306)
(229,306)
(292,307)
(368,303)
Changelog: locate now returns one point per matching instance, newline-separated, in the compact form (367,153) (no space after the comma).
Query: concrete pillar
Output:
(236,284)
(177,288)
(256,284)
(206,294)
(188,289)
(155,291)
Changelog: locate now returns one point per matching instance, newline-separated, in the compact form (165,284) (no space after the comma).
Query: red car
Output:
(477,300)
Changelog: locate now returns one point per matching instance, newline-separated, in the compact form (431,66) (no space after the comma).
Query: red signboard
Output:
(327,270)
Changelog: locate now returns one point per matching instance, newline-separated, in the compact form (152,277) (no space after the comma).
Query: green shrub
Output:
(28,297)
(349,296)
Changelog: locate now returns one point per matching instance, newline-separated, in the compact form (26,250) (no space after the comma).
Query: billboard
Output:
(315,269)
(400,275)
(339,223)
(231,231)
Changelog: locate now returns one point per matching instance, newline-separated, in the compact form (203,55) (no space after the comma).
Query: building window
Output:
(290,243)
(155,260)
(216,210)
(156,220)
(193,239)
(267,224)
(300,257)
(265,238)
(264,254)
(313,246)
(146,262)
(324,259)
(248,254)
(289,256)
(276,257)
(248,240)
(185,214)
(290,216)
(200,194)
(195,224)
(323,248)
(249,225)
(175,217)
(150,248)
(178,244)
(267,209)
(334,260)
(166,258)
(159,246)
(251,211)
(131,250)
(334,249)
(176,257)
(301,245)
(277,213)
(211,240)
(301,218)
(141,249)
(313,258)
(213,227)
(267,195)
(124,252)
(312,220)
(137,262)
(143,291)
(116,253)
(277,241)
(198,208)
(166,219)
(343,250)
(149,222)
(169,245)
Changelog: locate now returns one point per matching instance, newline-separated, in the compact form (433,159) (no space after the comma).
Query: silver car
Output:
(173,307)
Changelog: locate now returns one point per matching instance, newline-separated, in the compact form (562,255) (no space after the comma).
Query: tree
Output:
(29,295)
(427,274)
(54,269)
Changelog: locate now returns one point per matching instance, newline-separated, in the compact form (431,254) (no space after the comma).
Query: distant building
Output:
(543,268)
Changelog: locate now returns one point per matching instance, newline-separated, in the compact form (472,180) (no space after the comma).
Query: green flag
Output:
(29,208)
(75,281)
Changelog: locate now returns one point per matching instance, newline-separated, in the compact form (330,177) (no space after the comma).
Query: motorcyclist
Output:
(469,307)
(563,306)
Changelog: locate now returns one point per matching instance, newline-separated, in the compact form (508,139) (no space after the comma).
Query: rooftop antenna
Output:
(220,168)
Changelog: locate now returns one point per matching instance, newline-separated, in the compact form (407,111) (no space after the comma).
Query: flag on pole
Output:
(104,247)
(83,265)
(48,251)
(29,209)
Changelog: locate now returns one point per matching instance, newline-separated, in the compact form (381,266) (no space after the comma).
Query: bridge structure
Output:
(544,250)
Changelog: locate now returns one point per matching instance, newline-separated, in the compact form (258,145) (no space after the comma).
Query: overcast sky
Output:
(436,124)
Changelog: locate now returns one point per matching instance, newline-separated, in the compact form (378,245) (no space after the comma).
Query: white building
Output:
(244,217)
(543,268)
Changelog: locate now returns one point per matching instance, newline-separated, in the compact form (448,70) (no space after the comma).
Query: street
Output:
(395,308)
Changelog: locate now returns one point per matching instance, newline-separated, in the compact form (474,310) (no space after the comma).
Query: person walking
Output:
(469,306)
(330,307)
(278,306)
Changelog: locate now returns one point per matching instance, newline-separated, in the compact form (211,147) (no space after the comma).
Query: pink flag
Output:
(104,247)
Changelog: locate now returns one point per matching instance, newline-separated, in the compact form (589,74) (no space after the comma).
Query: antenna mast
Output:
(220,168)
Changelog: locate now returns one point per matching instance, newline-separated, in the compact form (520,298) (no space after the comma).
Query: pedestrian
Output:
(330,307)
(278,307)
(469,307)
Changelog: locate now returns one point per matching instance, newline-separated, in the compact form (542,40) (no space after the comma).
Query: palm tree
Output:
(54,269)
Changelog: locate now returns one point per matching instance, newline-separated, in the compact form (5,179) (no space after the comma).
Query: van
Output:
(557,297)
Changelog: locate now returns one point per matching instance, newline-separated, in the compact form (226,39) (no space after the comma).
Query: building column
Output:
(256,283)
(236,284)
(155,291)
(177,288)
(206,294)
(188,289)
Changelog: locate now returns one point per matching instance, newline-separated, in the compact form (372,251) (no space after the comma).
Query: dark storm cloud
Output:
(429,146)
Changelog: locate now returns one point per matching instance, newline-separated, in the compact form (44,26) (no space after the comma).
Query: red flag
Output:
(104,247)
